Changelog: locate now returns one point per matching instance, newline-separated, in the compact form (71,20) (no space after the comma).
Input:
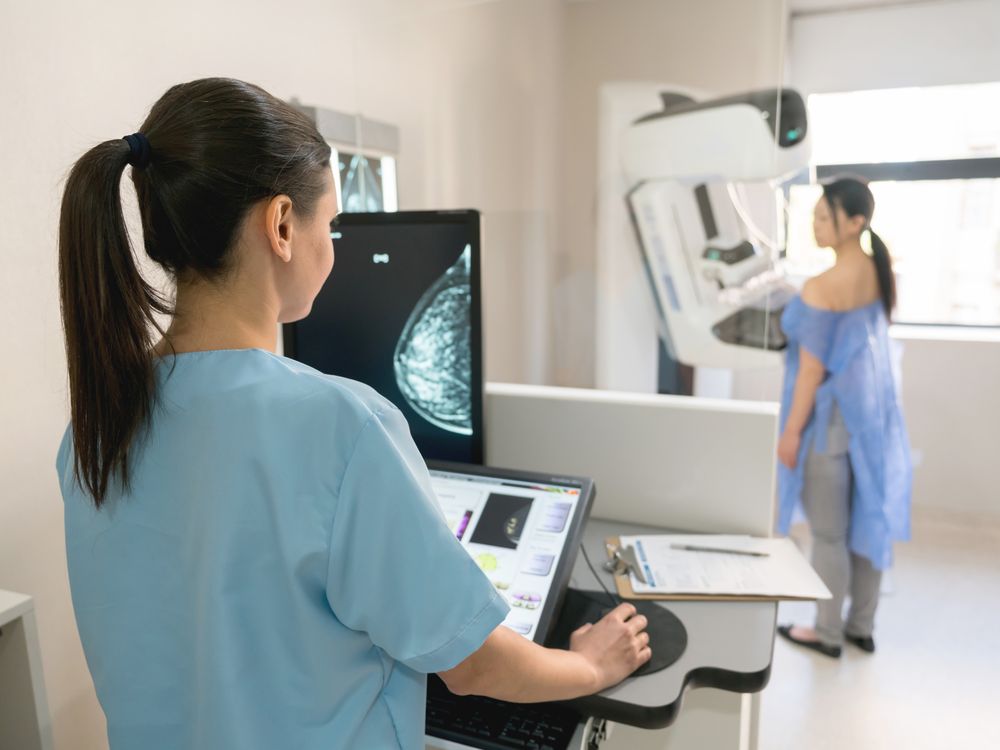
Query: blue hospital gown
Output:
(279,575)
(854,347)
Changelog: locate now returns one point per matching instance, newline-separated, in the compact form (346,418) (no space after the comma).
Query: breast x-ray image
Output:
(433,359)
(360,182)
(400,312)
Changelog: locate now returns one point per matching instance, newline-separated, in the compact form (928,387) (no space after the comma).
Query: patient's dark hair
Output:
(217,146)
(854,196)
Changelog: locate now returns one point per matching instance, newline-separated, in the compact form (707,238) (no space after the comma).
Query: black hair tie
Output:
(139,146)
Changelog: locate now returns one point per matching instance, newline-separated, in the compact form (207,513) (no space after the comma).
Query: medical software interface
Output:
(515,531)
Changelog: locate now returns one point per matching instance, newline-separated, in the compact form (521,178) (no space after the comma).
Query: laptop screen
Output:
(522,529)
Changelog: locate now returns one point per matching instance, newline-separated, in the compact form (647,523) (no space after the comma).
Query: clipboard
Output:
(620,565)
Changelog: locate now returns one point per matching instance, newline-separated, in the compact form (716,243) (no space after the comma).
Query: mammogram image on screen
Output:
(360,183)
(433,359)
(503,521)
(397,314)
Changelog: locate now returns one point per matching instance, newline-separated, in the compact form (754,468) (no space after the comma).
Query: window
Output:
(931,155)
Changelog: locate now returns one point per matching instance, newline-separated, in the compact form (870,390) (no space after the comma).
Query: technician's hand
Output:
(788,448)
(615,646)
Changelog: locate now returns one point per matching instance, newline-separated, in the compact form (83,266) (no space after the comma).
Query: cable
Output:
(756,232)
(615,600)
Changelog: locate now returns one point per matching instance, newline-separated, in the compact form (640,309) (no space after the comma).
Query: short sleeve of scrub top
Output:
(395,566)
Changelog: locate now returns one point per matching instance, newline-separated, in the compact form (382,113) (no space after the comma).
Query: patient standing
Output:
(843,449)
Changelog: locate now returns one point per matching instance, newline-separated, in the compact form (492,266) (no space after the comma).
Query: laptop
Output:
(523,529)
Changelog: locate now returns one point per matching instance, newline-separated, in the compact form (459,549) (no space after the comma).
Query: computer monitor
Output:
(401,312)
(523,529)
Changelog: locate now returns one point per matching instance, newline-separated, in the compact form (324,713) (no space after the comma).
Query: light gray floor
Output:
(935,679)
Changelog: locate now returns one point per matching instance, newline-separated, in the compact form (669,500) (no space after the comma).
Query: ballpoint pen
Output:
(724,550)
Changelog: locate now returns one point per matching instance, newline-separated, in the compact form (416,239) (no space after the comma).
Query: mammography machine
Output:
(688,170)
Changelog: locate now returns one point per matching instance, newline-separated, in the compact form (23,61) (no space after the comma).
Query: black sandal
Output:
(785,631)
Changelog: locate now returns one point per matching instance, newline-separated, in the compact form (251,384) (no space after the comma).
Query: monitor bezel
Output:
(574,536)
(471,219)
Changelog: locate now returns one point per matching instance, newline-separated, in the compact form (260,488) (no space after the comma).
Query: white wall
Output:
(951,394)
(720,46)
(909,44)
(475,94)
(472,86)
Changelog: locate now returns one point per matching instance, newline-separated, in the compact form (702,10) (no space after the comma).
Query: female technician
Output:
(843,450)
(255,554)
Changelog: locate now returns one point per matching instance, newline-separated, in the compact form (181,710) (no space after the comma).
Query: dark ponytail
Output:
(214,148)
(107,311)
(856,199)
(883,268)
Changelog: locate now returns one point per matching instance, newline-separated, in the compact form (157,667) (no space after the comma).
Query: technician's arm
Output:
(809,379)
(510,667)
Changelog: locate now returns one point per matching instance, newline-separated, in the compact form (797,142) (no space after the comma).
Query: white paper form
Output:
(783,574)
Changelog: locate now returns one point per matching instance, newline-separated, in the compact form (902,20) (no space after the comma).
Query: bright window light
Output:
(913,124)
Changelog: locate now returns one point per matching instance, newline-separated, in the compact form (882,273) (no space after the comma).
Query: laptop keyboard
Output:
(496,725)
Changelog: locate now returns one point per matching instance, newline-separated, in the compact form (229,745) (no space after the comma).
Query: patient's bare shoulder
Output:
(819,291)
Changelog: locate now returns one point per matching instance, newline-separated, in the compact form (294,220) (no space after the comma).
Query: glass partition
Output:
(625,158)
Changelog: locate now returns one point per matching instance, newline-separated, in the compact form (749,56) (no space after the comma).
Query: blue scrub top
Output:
(278,575)
(854,348)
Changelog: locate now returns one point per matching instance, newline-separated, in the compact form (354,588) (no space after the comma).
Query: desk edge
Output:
(658,717)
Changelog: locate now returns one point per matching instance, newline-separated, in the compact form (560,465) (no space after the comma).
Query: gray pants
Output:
(826,497)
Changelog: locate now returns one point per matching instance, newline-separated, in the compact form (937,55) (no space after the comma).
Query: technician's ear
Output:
(278,226)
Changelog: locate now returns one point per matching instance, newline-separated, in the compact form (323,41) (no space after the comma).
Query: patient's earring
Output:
(866,241)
